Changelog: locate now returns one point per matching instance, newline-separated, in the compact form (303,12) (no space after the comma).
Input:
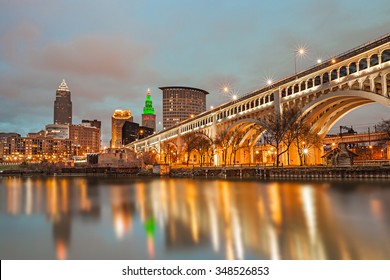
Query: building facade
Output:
(132,131)
(117,121)
(148,115)
(85,139)
(181,103)
(57,131)
(63,105)
(19,149)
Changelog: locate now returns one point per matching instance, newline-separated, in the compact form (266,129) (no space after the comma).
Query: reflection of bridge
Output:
(325,93)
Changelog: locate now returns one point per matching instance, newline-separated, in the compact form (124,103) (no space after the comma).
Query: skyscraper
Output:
(148,116)
(181,103)
(63,105)
(118,119)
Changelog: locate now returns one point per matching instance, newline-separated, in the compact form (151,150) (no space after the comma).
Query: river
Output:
(166,218)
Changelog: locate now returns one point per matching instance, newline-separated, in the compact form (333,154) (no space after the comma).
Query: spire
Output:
(148,109)
(63,86)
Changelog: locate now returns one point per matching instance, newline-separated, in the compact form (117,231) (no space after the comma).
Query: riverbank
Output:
(357,172)
(261,172)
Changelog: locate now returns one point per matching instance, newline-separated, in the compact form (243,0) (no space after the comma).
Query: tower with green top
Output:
(148,115)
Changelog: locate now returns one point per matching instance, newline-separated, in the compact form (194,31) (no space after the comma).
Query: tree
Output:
(236,141)
(203,145)
(168,148)
(384,126)
(222,141)
(190,144)
(277,127)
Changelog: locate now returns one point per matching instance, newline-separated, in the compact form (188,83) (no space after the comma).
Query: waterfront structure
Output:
(63,105)
(19,149)
(324,93)
(181,103)
(117,121)
(3,143)
(58,131)
(148,115)
(85,138)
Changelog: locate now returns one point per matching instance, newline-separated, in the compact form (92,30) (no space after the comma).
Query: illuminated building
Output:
(132,131)
(148,116)
(19,149)
(118,120)
(181,103)
(94,123)
(85,138)
(63,105)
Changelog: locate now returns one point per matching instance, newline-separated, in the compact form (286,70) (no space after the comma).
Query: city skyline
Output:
(108,64)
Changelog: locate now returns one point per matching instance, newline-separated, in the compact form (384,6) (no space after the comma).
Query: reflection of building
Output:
(61,233)
(63,105)
(181,103)
(148,115)
(118,120)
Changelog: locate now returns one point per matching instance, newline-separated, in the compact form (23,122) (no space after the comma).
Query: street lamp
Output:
(305,152)
(300,52)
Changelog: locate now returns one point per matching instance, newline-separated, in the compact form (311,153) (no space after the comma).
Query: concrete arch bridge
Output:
(323,93)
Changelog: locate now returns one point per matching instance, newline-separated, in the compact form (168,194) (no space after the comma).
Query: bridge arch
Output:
(326,110)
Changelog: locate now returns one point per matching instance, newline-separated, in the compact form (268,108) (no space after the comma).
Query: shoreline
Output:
(238,172)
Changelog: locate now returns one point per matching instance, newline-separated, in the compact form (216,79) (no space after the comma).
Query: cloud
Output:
(93,56)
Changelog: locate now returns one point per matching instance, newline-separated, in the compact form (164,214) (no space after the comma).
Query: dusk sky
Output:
(111,52)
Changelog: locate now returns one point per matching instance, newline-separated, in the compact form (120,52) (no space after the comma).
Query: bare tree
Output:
(384,126)
(203,146)
(166,148)
(222,141)
(189,140)
(277,127)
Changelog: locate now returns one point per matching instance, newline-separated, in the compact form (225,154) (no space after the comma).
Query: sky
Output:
(111,52)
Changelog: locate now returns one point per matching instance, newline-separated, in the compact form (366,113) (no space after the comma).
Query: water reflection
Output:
(184,218)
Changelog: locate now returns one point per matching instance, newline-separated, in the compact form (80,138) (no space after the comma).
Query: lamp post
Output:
(305,152)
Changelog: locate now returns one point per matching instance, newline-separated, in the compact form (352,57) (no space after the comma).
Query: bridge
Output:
(324,93)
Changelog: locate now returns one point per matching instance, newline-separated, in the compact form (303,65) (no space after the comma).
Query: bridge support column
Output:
(277,103)
(384,85)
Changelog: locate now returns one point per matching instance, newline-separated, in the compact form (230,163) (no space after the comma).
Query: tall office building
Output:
(181,103)
(117,121)
(148,116)
(63,105)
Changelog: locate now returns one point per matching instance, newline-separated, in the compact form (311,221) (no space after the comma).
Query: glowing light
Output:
(301,51)
(211,107)
(305,151)
(269,82)
(333,60)
(225,89)
(319,60)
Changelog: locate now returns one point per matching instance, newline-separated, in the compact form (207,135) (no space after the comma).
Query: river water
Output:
(165,218)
